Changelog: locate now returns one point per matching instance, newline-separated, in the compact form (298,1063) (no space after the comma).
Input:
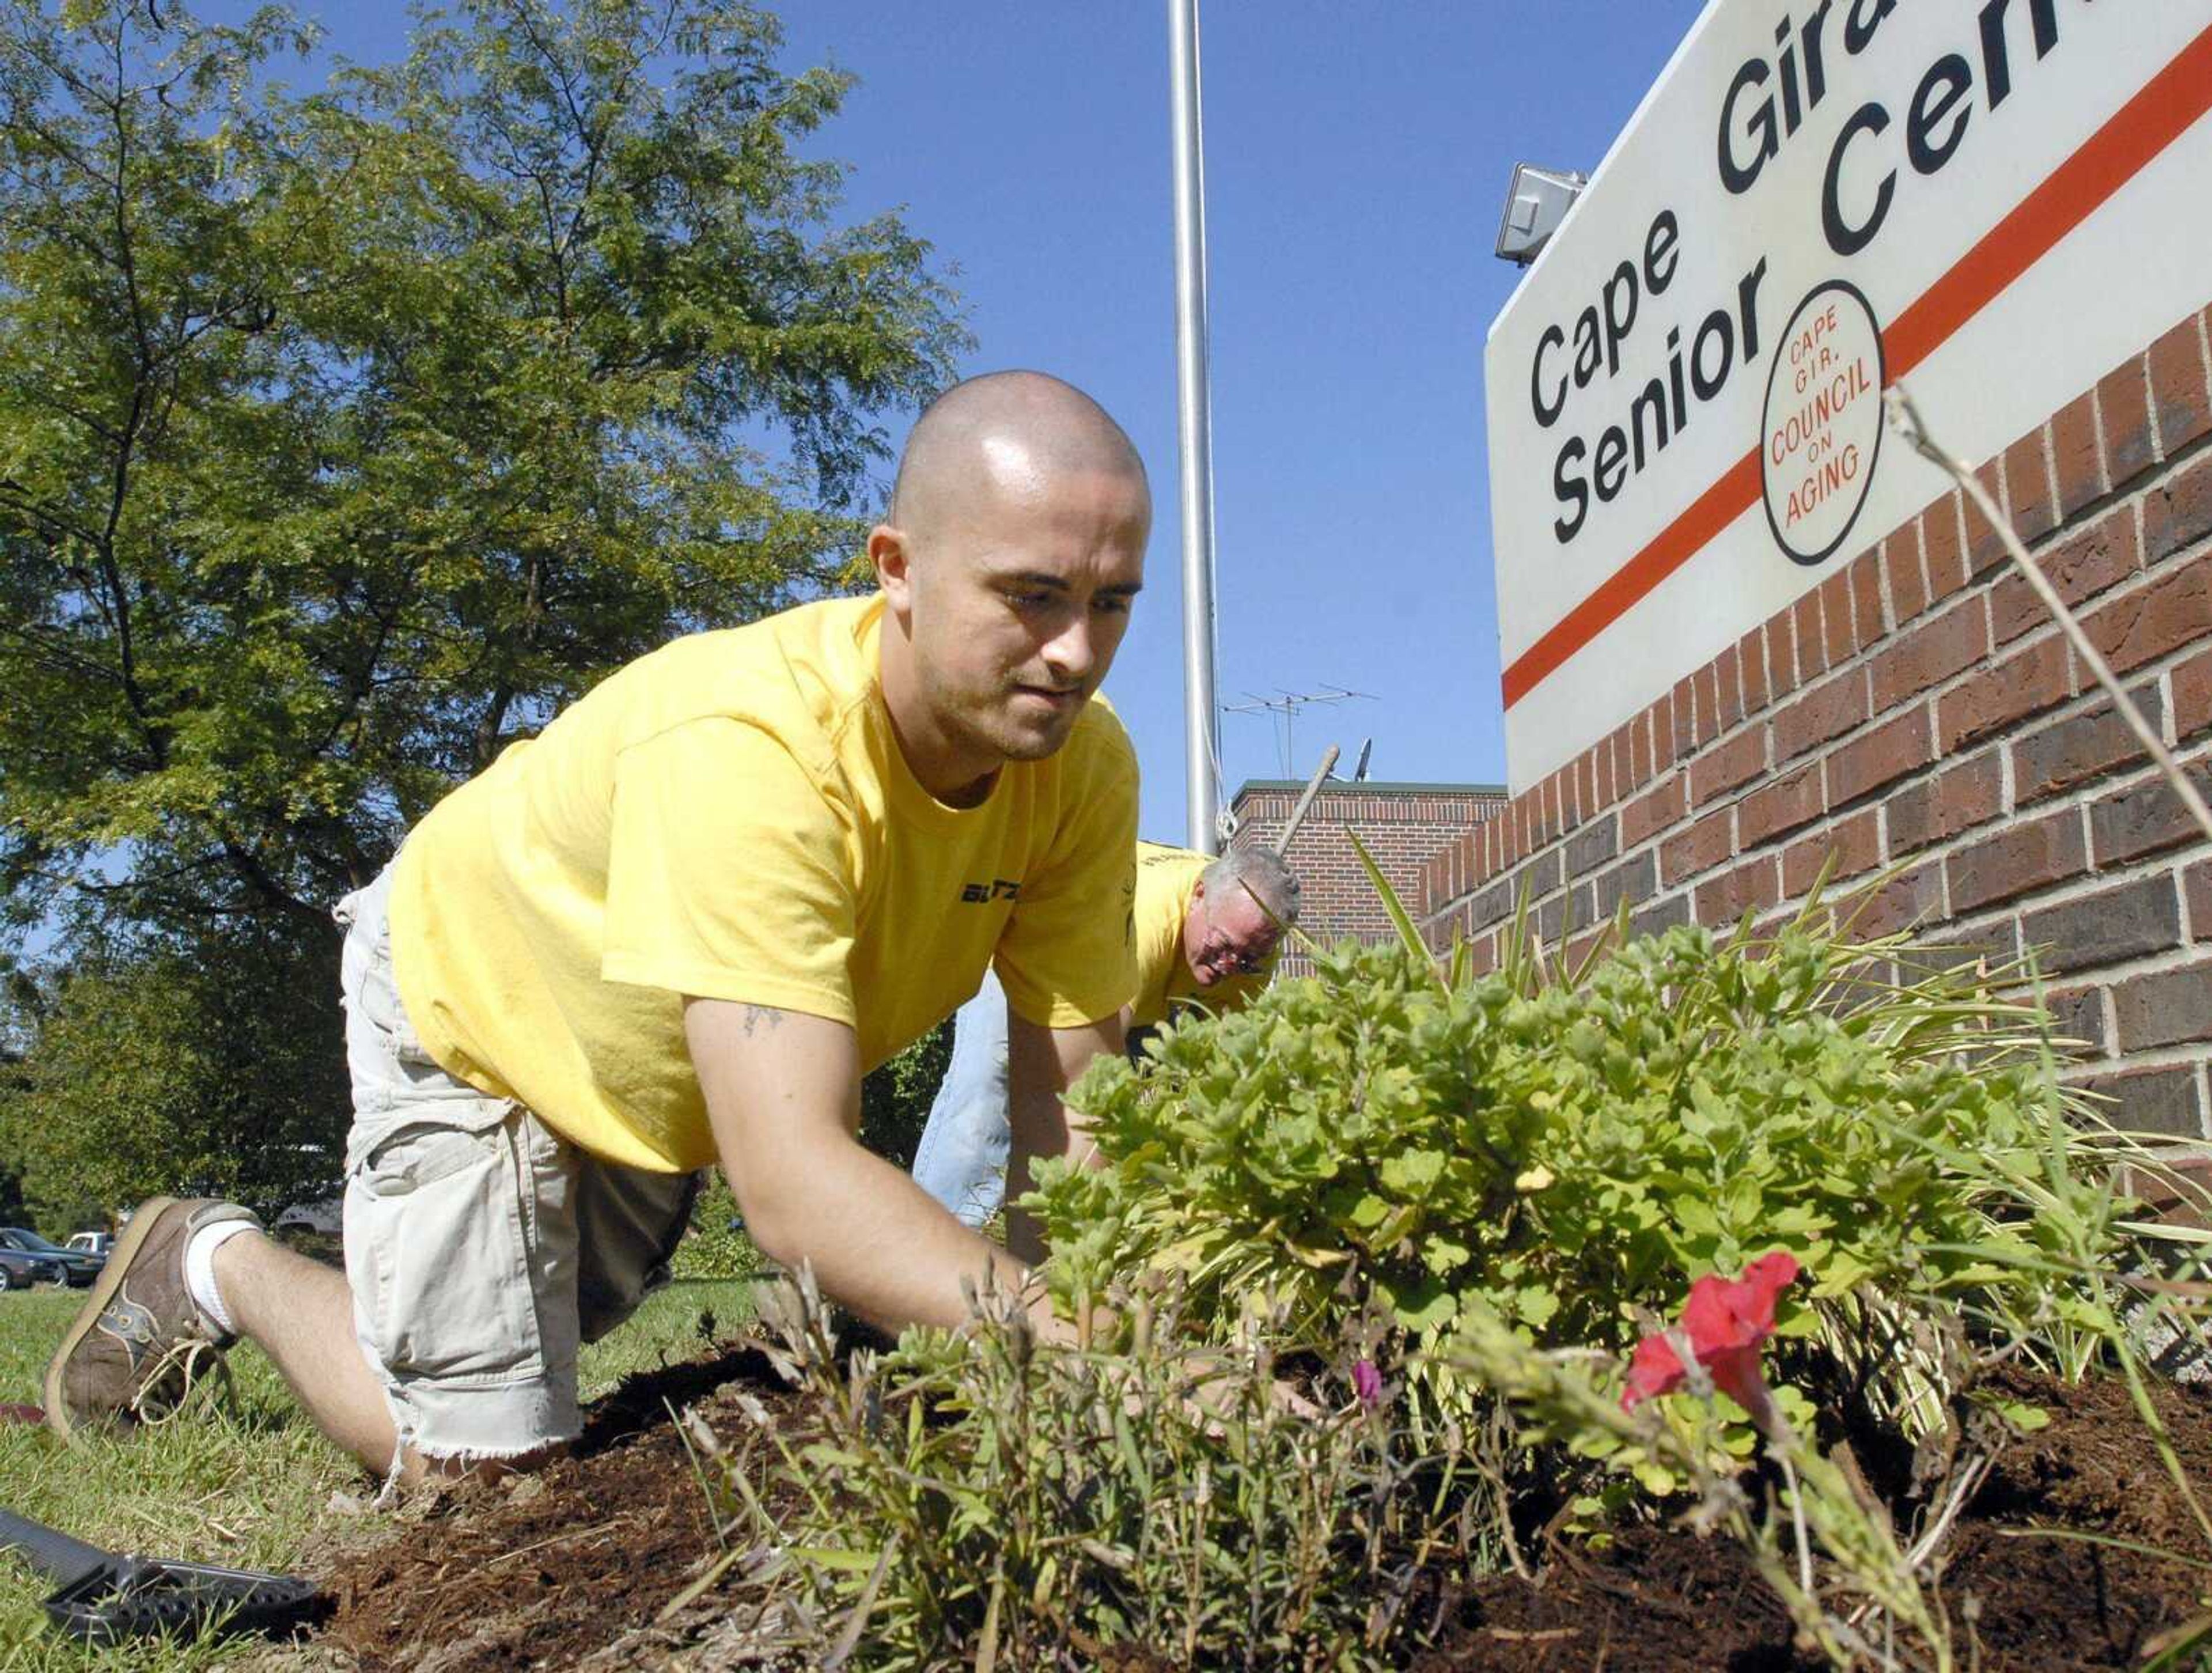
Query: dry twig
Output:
(1904,416)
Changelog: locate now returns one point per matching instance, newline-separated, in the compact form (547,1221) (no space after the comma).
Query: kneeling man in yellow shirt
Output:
(676,928)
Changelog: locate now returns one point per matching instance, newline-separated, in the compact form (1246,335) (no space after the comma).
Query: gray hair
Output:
(1273,884)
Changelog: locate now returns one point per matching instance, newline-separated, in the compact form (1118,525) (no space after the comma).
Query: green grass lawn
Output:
(243,1488)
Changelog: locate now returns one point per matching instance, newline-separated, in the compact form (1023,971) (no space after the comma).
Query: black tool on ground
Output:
(104,1597)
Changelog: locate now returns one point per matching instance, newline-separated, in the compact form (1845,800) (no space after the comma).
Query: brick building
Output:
(1401,825)
(1919,710)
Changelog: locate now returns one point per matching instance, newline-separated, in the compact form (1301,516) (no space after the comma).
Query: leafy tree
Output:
(344,438)
(181,1069)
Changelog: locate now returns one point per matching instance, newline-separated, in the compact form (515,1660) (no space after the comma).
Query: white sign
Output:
(1992,203)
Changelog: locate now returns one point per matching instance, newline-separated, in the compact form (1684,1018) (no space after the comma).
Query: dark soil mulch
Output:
(1661,1600)
(544,1569)
(573,1565)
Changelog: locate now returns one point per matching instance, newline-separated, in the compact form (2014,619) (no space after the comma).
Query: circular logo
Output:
(1820,430)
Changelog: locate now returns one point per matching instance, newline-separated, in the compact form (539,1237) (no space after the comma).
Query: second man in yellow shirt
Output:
(1207,932)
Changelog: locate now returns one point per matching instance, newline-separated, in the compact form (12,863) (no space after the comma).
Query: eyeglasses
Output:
(1221,950)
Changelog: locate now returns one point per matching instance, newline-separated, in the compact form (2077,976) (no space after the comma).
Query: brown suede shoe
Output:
(133,1349)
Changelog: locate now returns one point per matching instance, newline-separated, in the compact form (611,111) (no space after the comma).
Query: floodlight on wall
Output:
(1535,203)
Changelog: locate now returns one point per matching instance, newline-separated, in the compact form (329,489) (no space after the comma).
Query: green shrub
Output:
(1493,1187)
(716,1246)
(1572,1156)
(895,1097)
(983,1498)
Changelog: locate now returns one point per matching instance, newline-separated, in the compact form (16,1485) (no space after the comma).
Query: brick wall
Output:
(1919,709)
(1400,825)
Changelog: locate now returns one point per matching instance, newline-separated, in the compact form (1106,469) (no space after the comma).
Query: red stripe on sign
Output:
(1708,514)
(2165,108)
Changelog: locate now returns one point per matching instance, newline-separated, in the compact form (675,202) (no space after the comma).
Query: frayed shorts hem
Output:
(428,1430)
(448,1423)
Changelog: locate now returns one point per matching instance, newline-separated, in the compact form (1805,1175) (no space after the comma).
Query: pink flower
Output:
(1728,1322)
(1367,1383)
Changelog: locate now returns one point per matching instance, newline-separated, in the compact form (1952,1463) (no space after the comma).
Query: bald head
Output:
(1014,549)
(1012,433)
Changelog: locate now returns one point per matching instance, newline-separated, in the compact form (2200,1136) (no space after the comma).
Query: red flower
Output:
(1728,1322)
(1367,1383)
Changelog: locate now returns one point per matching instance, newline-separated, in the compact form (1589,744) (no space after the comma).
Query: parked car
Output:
(19,1271)
(63,1266)
(325,1215)
(101,1243)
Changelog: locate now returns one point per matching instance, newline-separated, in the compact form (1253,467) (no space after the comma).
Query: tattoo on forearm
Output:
(759,1017)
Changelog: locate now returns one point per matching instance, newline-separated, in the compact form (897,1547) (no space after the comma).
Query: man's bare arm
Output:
(783,1095)
(1042,1064)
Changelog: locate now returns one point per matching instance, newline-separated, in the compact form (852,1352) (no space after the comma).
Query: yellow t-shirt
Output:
(730,817)
(1166,879)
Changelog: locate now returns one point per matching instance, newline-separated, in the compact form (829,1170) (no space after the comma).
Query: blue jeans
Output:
(962,1159)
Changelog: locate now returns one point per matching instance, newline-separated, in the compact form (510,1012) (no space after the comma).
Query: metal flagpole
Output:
(1195,427)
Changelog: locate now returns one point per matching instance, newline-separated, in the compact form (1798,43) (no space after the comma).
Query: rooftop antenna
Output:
(1283,709)
(1359,767)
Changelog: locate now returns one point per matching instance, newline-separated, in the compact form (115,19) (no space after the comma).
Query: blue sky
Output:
(1357,158)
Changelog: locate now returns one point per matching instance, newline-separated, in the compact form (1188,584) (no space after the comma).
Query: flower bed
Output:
(578,1570)
(1739,1302)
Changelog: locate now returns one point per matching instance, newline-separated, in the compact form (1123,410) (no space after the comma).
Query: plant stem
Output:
(1797,1519)
(1905,417)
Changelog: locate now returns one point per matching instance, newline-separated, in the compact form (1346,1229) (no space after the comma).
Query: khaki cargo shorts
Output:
(481,1246)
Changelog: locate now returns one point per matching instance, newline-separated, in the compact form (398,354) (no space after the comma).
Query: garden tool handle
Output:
(103,1598)
(51,1553)
(1299,813)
